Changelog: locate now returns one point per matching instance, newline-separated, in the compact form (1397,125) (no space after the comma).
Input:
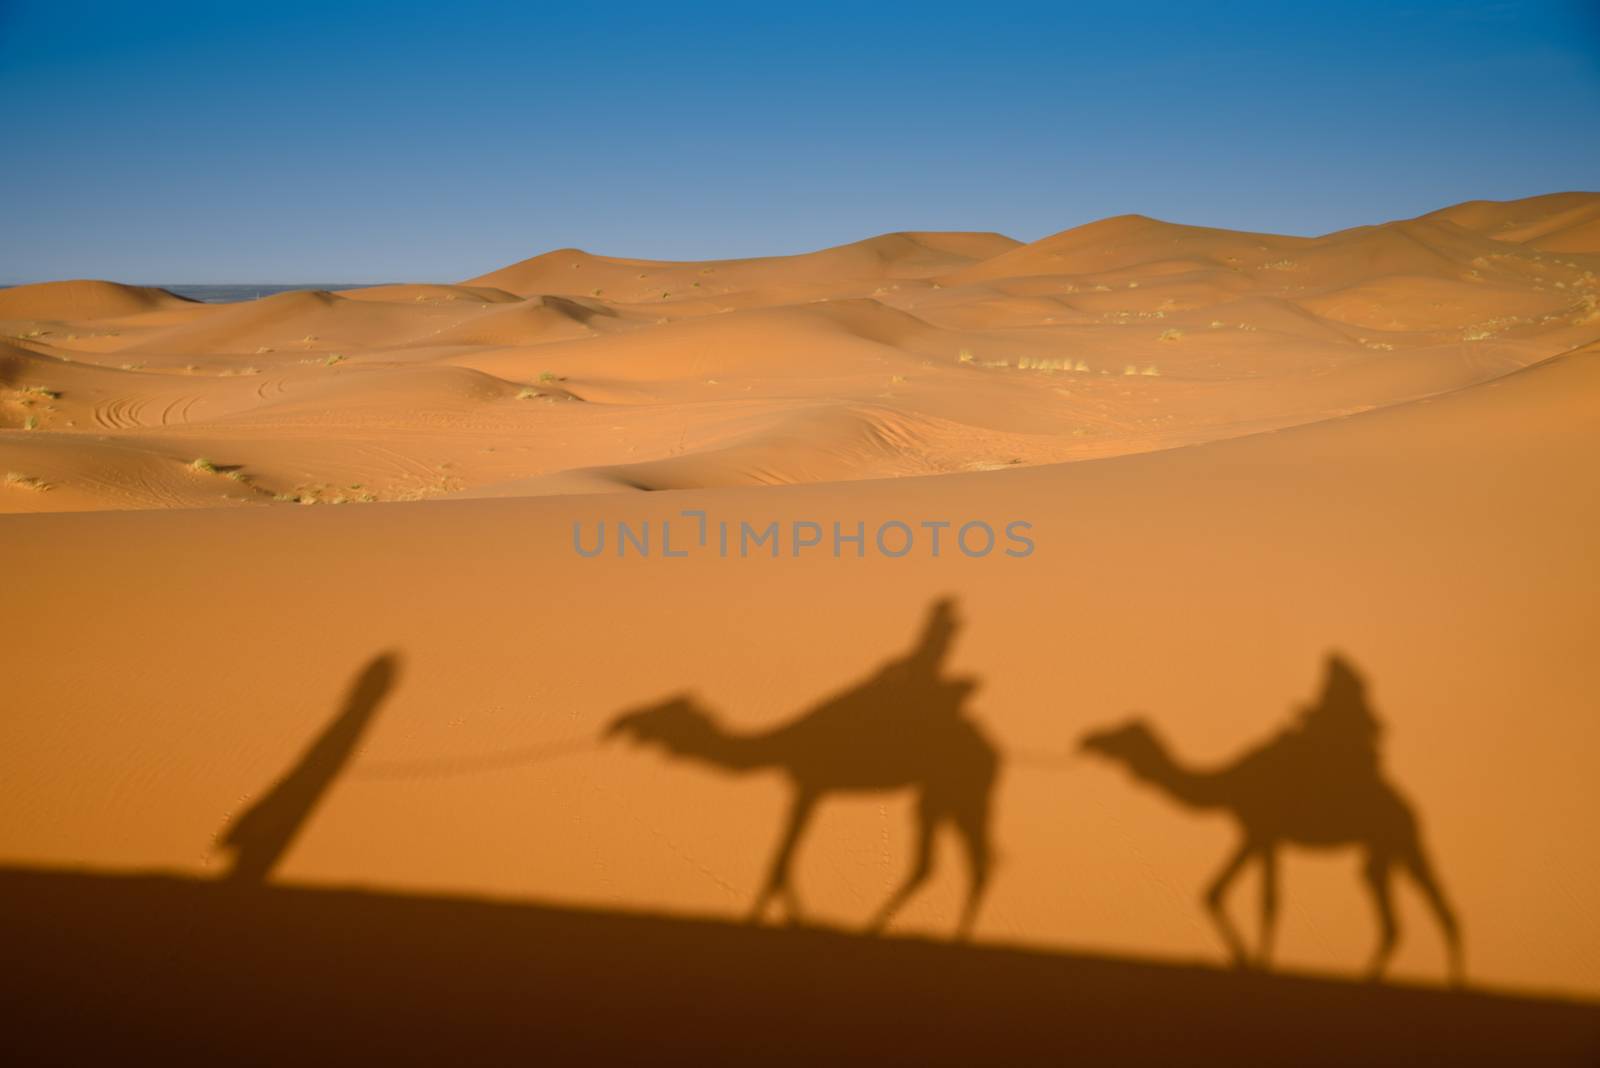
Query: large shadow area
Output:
(240,970)
(98,965)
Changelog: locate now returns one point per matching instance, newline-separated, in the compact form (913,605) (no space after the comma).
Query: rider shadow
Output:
(261,835)
(905,727)
(1318,783)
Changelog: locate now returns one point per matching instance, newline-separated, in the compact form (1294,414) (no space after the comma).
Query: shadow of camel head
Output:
(676,724)
(1133,742)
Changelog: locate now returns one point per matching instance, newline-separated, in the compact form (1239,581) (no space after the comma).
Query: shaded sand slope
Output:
(904,354)
(279,975)
(1444,547)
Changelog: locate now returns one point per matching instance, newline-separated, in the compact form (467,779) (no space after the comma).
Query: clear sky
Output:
(346,142)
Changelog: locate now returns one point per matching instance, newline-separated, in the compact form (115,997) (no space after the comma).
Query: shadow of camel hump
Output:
(1318,783)
(260,835)
(903,728)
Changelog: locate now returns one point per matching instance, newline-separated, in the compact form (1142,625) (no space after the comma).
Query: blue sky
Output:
(290,141)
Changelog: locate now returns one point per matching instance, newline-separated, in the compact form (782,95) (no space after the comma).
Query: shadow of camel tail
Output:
(261,835)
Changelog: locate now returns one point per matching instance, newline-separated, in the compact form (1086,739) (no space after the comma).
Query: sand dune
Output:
(1121,336)
(83,300)
(1566,219)
(1239,458)
(907,255)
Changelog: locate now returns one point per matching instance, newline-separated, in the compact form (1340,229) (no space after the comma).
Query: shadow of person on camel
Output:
(1318,783)
(903,728)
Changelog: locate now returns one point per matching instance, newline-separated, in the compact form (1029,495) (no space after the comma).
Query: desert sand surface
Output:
(905,354)
(1241,458)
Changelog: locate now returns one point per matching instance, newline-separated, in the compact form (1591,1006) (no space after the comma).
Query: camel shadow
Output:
(1318,784)
(904,727)
(248,970)
(260,835)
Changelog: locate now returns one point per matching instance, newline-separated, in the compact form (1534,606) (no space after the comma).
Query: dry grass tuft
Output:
(28,482)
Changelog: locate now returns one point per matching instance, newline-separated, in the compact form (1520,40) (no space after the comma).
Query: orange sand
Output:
(1237,453)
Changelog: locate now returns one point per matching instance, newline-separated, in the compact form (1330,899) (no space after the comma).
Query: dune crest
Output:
(83,299)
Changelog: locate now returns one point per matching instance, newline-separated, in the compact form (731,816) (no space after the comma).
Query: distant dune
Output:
(1239,458)
(82,300)
(1122,336)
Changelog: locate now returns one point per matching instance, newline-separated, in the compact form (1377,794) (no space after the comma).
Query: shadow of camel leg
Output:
(1214,899)
(926,822)
(778,876)
(1376,873)
(1269,906)
(1417,864)
(974,830)
(793,911)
